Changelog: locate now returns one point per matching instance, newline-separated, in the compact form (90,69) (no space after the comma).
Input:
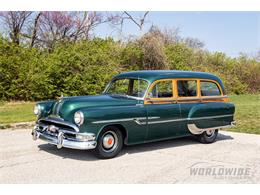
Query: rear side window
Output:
(162,89)
(208,88)
(187,88)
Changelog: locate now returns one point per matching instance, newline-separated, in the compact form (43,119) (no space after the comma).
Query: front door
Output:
(163,113)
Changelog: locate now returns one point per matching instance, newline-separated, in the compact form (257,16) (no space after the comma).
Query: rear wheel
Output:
(109,143)
(208,136)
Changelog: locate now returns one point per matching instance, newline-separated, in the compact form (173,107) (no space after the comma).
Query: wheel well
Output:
(121,128)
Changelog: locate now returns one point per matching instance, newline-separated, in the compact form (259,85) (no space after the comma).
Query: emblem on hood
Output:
(60,98)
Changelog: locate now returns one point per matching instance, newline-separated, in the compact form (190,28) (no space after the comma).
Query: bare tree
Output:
(194,43)
(35,29)
(258,56)
(69,26)
(15,22)
(138,21)
(153,46)
(172,35)
(119,19)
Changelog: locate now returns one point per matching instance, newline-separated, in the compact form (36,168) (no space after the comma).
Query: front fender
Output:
(95,119)
(45,107)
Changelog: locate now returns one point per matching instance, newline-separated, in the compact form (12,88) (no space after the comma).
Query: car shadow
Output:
(178,142)
(146,147)
(66,153)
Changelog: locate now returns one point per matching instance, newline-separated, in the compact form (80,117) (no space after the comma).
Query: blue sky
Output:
(228,32)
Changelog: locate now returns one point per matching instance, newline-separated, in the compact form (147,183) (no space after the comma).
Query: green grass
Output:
(13,112)
(247,113)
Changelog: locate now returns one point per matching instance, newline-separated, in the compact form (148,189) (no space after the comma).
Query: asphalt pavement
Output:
(233,158)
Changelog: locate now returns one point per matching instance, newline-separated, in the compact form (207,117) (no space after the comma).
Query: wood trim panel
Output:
(178,99)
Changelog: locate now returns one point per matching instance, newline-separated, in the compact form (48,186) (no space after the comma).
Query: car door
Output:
(162,111)
(187,97)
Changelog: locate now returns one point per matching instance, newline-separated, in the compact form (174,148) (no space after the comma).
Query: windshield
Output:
(127,87)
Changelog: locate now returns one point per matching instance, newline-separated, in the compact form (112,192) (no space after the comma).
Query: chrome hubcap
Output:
(109,141)
(210,132)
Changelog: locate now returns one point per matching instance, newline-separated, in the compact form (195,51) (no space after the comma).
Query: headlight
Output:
(79,118)
(37,110)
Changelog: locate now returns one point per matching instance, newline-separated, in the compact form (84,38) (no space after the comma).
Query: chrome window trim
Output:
(137,98)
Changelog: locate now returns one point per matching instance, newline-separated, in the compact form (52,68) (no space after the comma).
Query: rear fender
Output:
(213,115)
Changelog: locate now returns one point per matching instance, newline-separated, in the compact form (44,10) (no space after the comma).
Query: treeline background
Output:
(46,54)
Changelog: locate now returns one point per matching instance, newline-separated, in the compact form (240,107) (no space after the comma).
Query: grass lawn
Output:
(13,112)
(247,113)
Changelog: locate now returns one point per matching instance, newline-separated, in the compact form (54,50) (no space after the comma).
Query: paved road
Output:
(234,158)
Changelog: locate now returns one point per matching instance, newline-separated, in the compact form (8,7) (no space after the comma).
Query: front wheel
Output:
(208,136)
(109,143)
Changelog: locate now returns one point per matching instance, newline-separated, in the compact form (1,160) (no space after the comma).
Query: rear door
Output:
(187,97)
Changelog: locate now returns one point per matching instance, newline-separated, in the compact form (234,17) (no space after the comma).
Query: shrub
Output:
(84,68)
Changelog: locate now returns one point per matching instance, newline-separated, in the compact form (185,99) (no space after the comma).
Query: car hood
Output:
(67,106)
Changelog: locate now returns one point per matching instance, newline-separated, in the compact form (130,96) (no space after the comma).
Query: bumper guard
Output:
(85,141)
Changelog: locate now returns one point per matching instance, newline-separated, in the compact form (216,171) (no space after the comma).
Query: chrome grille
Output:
(57,122)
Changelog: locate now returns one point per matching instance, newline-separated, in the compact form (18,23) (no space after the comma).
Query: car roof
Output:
(152,75)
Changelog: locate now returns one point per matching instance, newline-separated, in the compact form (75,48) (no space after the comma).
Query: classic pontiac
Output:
(137,107)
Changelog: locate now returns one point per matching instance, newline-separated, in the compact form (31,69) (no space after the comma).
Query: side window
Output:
(120,86)
(208,88)
(187,88)
(139,87)
(162,89)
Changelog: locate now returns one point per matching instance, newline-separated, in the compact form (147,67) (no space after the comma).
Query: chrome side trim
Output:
(167,121)
(137,120)
(60,122)
(209,117)
(119,120)
(184,119)
(145,122)
(195,130)
(153,117)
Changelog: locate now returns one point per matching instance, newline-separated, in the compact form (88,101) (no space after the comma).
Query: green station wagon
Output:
(137,107)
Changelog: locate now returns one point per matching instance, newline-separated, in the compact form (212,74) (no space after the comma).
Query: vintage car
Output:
(137,107)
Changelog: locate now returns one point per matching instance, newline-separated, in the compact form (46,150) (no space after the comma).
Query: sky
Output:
(228,32)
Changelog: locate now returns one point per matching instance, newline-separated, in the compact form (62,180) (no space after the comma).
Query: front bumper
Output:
(62,138)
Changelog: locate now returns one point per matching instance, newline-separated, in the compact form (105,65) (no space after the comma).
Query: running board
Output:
(195,130)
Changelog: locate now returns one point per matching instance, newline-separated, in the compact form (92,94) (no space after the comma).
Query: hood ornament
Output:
(60,98)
